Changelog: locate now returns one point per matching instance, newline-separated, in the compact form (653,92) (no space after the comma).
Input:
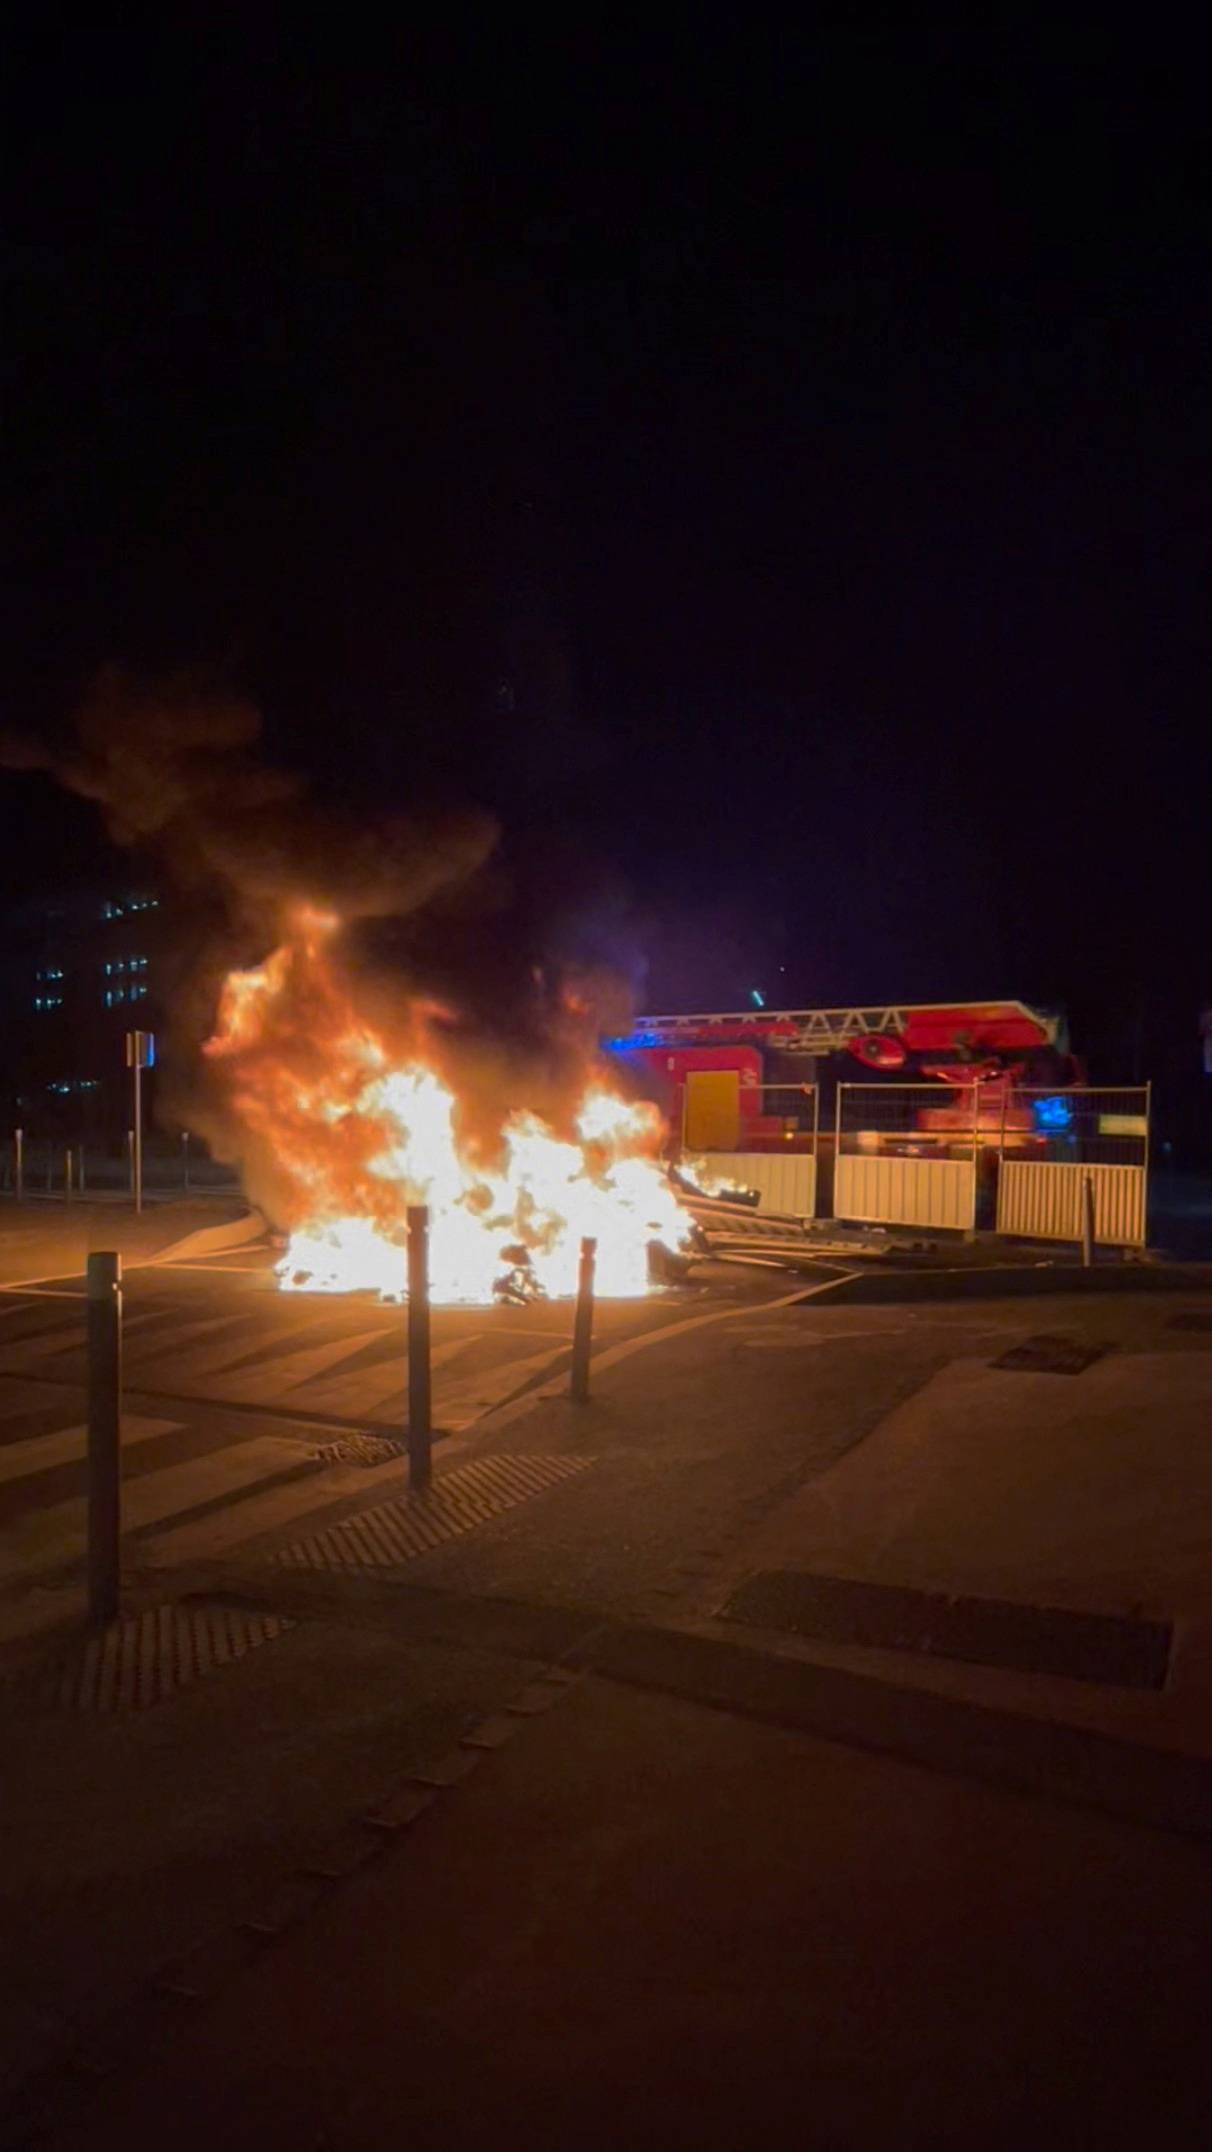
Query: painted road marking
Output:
(24,1460)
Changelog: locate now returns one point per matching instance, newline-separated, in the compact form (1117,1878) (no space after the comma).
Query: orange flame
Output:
(347,1130)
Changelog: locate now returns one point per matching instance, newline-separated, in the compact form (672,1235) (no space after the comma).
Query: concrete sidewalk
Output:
(1091,1490)
(668,1904)
(639,1921)
(47,1240)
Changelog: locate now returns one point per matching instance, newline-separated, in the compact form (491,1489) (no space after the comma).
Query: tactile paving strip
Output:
(143,1658)
(398,1531)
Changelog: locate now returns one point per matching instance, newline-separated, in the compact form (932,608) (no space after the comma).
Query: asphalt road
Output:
(636,1912)
(231,1387)
(696,1914)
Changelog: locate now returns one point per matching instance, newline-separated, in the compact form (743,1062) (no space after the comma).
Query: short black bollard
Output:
(104,1435)
(582,1328)
(19,1163)
(420,1430)
(1087,1220)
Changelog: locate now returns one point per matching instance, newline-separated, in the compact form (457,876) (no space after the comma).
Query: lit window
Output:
(113,995)
(48,1001)
(138,993)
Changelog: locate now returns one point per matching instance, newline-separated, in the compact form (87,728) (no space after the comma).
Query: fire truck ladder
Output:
(820,1031)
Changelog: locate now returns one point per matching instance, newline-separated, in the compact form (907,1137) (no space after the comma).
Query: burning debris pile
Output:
(345,1121)
(347,1079)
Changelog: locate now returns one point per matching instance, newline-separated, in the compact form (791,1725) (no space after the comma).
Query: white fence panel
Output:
(1042,1200)
(785,1180)
(905,1191)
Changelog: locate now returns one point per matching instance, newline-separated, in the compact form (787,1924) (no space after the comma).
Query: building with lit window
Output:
(77,971)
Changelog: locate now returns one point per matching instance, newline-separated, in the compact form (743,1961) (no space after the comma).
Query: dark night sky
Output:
(771,469)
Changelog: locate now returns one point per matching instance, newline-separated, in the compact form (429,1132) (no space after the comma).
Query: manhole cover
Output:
(1193,1320)
(365,1450)
(1050,1356)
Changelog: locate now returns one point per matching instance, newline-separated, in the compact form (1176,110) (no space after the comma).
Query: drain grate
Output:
(1192,1320)
(1050,1356)
(144,1658)
(365,1450)
(398,1531)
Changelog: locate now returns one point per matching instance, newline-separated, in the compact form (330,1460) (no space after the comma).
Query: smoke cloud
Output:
(174,767)
(429,919)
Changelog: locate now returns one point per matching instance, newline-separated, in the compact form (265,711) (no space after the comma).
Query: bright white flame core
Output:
(545,1196)
(356,1139)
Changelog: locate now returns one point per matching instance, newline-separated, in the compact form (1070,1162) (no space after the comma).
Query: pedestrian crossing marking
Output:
(47,1538)
(280,1373)
(458,1402)
(25,1460)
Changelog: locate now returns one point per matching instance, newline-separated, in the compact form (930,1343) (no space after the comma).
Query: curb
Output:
(213,1239)
(1014,1281)
(1168,1790)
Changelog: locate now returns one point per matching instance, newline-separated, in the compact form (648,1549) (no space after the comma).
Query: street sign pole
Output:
(140,1055)
(138,1123)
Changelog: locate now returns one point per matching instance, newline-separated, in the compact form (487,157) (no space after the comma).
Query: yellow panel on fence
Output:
(713,1109)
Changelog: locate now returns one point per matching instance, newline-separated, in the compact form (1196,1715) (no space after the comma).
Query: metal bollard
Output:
(19,1163)
(67,1175)
(420,1429)
(80,1168)
(582,1328)
(1087,1220)
(185,1160)
(104,1289)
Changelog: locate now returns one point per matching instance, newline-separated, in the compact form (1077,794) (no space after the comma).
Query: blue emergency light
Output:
(1052,1116)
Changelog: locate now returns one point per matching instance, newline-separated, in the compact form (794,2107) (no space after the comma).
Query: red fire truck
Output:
(735,1081)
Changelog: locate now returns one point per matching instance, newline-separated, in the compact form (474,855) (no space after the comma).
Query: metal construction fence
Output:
(775,1148)
(1035,1163)
(906,1154)
(48,1168)
(1018,1159)
(1059,1143)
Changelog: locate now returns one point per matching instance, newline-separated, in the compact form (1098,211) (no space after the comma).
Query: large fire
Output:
(351,1118)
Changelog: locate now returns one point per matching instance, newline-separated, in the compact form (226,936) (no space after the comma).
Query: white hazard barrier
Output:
(1043,1201)
(875,1190)
(785,1180)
